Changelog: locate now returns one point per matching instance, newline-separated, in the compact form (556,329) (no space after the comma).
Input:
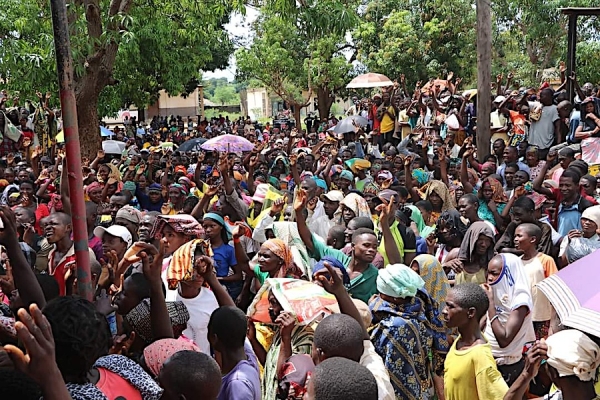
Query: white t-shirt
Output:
(374,363)
(200,309)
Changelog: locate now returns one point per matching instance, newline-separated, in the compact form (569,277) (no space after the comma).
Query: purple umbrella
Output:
(228,143)
(575,294)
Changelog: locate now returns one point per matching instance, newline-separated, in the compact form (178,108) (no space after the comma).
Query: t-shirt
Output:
(113,386)
(538,269)
(200,309)
(472,374)
(224,257)
(243,381)
(374,363)
(388,121)
(541,132)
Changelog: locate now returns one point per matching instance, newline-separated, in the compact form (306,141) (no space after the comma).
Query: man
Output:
(61,260)
(118,201)
(145,227)
(341,379)
(115,238)
(152,201)
(565,157)
(190,374)
(511,155)
(545,131)
(498,148)
(404,238)
(386,114)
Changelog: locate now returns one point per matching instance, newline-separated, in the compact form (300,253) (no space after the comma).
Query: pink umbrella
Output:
(575,294)
(228,143)
(369,80)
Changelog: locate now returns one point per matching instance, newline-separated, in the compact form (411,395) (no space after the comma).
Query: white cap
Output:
(115,230)
(334,195)
(499,99)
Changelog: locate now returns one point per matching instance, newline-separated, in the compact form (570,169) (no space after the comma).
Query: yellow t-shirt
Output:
(465,277)
(472,374)
(388,124)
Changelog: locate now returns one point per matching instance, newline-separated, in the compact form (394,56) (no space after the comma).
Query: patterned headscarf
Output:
(356,203)
(371,188)
(283,251)
(179,187)
(140,322)
(181,267)
(160,351)
(442,190)
(181,223)
(92,186)
(420,175)
(499,196)
(436,281)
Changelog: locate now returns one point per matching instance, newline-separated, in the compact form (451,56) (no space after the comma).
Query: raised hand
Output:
(278,205)
(301,200)
(332,283)
(385,211)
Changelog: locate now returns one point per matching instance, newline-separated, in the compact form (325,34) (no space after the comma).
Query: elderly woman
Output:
(353,205)
(532,158)
(404,311)
(438,194)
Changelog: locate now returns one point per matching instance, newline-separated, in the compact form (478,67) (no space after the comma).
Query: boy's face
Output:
(522,240)
(453,314)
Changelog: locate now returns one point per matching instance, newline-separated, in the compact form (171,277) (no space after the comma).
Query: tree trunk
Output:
(325,100)
(297,108)
(88,121)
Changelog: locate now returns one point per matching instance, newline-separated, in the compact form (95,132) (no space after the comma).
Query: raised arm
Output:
(443,164)
(160,321)
(408,173)
(299,206)
(391,249)
(464,174)
(539,180)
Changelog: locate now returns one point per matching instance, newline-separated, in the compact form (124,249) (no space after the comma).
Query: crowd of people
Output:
(433,256)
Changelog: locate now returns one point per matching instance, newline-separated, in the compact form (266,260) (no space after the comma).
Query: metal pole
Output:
(484,76)
(571,54)
(64,64)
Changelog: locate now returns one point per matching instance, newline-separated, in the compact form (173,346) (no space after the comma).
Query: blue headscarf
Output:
(335,263)
(219,220)
(320,183)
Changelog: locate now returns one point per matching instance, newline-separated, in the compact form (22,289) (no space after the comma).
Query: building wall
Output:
(257,99)
(175,105)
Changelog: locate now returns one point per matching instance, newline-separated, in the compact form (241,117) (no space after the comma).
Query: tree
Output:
(298,49)
(124,51)
(225,95)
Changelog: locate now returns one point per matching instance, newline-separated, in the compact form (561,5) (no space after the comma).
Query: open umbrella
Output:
(574,296)
(369,80)
(346,125)
(113,147)
(229,143)
(192,144)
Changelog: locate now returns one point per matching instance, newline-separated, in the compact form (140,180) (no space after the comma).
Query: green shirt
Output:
(363,286)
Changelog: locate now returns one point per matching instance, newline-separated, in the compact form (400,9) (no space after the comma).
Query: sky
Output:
(238,26)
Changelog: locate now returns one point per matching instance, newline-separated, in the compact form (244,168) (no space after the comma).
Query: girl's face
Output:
(488,192)
(103,173)
(212,229)
(174,240)
(95,195)
(142,182)
(482,245)
(435,200)
(589,107)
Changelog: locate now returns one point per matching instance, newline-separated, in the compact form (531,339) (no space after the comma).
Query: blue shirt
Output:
(224,257)
(568,218)
(522,167)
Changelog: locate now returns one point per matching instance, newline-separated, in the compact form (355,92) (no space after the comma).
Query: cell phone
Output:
(528,346)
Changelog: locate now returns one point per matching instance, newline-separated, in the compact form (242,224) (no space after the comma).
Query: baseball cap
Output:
(334,195)
(115,230)
(499,99)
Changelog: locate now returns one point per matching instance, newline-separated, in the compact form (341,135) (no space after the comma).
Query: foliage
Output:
(225,95)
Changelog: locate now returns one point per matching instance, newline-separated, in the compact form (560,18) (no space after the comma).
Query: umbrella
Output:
(574,296)
(192,144)
(113,147)
(369,80)
(105,132)
(229,143)
(346,125)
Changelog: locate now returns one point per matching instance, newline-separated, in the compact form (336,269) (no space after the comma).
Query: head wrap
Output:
(358,164)
(538,199)
(371,188)
(489,164)
(572,352)
(179,187)
(345,174)
(442,190)
(280,249)
(294,375)
(420,175)
(180,169)
(260,193)
(320,183)
(385,174)
(593,214)
(472,174)
(181,267)
(417,218)
(180,223)
(129,186)
(436,281)
(498,191)
(130,214)
(356,203)
(139,319)
(335,263)
(219,220)
(467,247)
(160,351)
(92,186)
(397,280)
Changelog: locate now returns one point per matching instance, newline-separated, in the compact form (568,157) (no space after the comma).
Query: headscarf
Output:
(114,172)
(356,203)
(436,281)
(181,267)
(452,218)
(385,174)
(283,251)
(294,375)
(92,186)
(286,164)
(219,220)
(572,352)
(335,263)
(417,218)
(358,164)
(593,214)
(181,223)
(345,174)
(160,351)
(129,186)
(488,164)
(140,322)
(179,187)
(371,188)
(320,183)
(472,174)
(442,190)
(498,195)
(397,280)
(420,175)
(538,199)
(467,247)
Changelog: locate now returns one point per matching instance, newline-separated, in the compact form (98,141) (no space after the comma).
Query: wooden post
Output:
(571,54)
(201,97)
(484,76)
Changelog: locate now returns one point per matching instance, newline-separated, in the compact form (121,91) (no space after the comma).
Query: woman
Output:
(533,161)
(509,318)
(403,311)
(492,201)
(437,193)
(445,244)
(418,223)
(432,273)
(353,205)
(160,351)
(275,261)
(476,251)
(589,125)
(590,224)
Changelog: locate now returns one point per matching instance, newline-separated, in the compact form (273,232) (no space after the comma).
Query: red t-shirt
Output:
(113,386)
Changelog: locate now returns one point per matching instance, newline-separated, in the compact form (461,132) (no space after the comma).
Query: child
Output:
(470,371)
(538,267)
